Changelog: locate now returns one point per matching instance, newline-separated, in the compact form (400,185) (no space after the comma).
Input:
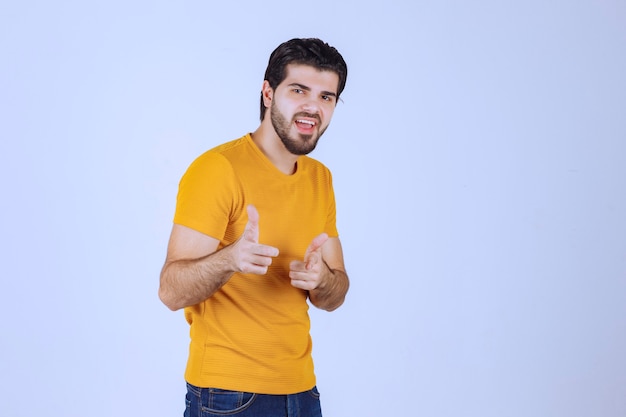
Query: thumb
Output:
(251,232)
(314,248)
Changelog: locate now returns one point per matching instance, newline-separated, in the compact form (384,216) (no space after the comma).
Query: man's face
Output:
(302,107)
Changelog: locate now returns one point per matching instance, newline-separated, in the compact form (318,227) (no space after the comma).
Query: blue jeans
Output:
(211,402)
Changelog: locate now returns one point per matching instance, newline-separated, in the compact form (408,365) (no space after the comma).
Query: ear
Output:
(268,94)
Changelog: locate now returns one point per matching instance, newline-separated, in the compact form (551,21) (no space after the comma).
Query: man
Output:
(254,236)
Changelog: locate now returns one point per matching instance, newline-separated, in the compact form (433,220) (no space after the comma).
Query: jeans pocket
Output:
(314,392)
(225,402)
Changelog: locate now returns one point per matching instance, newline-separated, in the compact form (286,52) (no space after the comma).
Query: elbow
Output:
(342,292)
(168,300)
(328,307)
(331,299)
(327,304)
(335,306)
(166,295)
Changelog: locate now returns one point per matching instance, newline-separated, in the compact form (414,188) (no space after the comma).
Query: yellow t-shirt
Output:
(253,334)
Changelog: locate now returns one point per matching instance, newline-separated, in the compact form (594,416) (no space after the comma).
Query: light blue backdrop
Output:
(479,160)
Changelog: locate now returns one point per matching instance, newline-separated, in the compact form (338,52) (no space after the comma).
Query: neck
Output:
(269,143)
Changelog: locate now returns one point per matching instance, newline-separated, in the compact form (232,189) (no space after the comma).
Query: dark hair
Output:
(308,51)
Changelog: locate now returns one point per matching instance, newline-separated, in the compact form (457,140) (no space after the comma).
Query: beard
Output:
(303,144)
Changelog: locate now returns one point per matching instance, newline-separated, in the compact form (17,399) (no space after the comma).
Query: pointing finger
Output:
(251,232)
(312,256)
(317,243)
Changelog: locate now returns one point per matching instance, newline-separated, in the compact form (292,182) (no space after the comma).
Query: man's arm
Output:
(194,269)
(322,273)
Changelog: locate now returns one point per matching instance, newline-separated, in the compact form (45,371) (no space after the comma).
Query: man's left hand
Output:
(310,273)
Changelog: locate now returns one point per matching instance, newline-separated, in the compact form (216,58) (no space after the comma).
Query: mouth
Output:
(306,124)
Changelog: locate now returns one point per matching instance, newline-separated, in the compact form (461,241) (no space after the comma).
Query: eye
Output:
(298,91)
(327,98)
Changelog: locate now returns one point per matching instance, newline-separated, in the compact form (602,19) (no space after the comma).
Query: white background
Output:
(479,160)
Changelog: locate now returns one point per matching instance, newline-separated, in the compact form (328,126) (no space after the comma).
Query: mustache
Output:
(309,115)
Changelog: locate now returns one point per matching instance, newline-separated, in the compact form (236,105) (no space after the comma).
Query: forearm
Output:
(331,294)
(187,282)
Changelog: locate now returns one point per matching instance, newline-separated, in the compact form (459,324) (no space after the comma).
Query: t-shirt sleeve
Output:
(331,217)
(206,195)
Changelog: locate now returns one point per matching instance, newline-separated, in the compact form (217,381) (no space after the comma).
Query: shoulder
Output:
(208,159)
(206,170)
(217,159)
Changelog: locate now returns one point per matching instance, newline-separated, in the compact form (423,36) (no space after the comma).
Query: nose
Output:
(311,106)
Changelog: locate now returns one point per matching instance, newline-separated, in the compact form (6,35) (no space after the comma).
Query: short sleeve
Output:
(331,214)
(207,194)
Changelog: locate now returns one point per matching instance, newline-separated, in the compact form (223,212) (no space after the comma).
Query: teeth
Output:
(306,121)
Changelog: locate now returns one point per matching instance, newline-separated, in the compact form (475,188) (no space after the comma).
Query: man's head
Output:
(312,52)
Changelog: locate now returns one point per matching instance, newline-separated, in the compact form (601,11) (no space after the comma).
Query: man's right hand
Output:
(248,255)
(194,269)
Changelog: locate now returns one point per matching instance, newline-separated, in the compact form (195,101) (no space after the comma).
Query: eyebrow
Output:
(304,87)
